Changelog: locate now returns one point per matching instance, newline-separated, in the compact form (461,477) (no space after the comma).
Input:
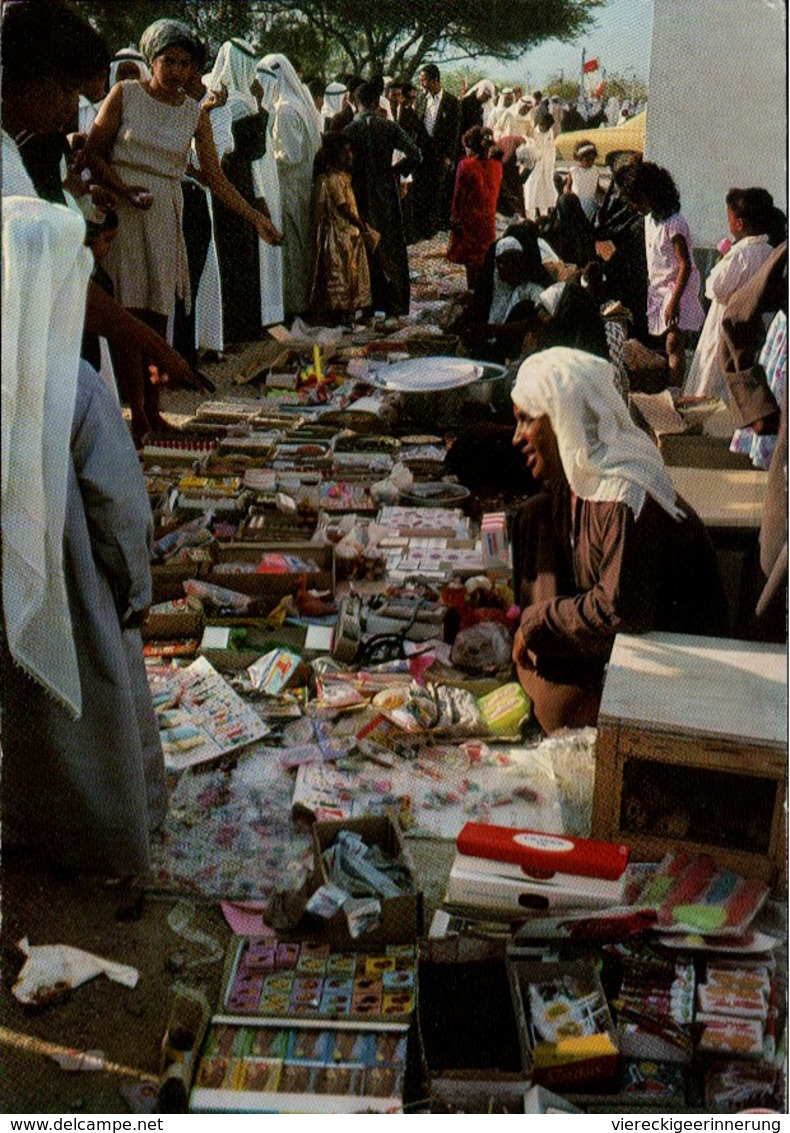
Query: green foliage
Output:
(360,35)
(123,23)
(626,86)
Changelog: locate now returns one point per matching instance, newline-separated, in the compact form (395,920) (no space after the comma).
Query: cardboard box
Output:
(689,451)
(164,627)
(564,1065)
(298,1066)
(167,578)
(401,917)
(271,586)
(472,1047)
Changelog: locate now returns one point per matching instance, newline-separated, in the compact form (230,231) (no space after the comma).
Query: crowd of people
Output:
(133,214)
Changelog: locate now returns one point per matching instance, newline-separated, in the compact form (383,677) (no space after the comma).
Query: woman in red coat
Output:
(473,212)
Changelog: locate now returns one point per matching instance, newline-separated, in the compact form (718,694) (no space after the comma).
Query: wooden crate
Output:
(692,751)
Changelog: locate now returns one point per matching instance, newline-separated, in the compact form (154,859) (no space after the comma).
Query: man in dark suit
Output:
(439,116)
(383,153)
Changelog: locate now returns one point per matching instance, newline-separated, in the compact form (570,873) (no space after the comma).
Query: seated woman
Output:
(511,281)
(608,548)
(569,231)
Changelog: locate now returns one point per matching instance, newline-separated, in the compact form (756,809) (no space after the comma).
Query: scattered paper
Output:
(246,917)
(200,717)
(51,969)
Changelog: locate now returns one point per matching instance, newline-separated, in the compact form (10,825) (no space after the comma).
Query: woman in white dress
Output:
(138,147)
(296,134)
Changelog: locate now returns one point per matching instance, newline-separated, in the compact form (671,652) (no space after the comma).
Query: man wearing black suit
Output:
(438,112)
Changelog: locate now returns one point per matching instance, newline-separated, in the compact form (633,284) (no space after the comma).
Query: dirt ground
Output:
(126,926)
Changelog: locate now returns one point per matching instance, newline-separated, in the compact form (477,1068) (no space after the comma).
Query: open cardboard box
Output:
(468,1023)
(548,1063)
(401,917)
(273,586)
(167,579)
(307,1066)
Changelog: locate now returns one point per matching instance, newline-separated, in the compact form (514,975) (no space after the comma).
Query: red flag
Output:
(590,65)
(599,90)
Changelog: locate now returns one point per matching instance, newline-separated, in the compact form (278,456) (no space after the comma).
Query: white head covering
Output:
(484,86)
(604,455)
(128,55)
(291,89)
(45,277)
(508,244)
(333,100)
(235,68)
(270,82)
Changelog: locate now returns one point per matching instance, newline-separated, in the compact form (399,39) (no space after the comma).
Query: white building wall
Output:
(717,106)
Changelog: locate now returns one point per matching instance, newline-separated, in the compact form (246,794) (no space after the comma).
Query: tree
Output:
(625,86)
(396,36)
(213,20)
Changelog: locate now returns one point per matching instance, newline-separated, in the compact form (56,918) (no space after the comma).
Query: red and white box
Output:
(523,871)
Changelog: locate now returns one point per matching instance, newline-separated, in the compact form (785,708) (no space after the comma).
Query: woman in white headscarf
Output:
(237,242)
(83,775)
(267,184)
(609,548)
(296,133)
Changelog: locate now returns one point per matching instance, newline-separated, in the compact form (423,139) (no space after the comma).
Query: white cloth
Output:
(46,267)
(547,253)
(208,301)
(128,55)
(512,121)
(221,119)
(234,68)
(16,179)
(266,180)
(334,97)
(209,332)
(706,378)
(432,103)
(481,87)
(584,183)
(290,89)
(612,111)
(540,193)
(604,455)
(296,138)
(86,114)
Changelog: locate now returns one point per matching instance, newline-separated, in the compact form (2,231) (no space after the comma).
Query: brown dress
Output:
(341,278)
(586,571)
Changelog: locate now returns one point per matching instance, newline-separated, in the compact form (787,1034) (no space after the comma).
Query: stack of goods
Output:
(654,1004)
(734,1006)
(509,873)
(303,1029)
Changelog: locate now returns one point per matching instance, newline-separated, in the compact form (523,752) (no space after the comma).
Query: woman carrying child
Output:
(341,277)
(749,215)
(673,305)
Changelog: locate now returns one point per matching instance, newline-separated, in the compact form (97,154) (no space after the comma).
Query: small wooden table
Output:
(692,750)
